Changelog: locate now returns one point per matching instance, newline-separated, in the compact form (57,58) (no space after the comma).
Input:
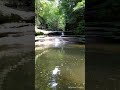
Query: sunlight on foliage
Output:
(55,14)
(47,13)
(79,5)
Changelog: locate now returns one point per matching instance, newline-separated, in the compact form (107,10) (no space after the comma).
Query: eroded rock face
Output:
(16,44)
(19,4)
(16,21)
(98,10)
(14,12)
(102,21)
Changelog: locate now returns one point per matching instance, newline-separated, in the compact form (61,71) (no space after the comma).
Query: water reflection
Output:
(56,71)
(60,68)
(53,80)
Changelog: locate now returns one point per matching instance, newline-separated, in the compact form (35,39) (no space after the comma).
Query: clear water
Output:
(60,68)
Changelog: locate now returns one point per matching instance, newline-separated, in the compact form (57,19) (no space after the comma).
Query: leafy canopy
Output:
(55,14)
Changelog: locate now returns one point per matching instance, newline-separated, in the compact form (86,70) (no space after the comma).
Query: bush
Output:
(38,33)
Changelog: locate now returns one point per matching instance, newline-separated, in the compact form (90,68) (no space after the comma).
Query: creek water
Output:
(60,68)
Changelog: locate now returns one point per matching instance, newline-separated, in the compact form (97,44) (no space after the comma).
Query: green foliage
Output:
(74,12)
(50,13)
(56,14)
(81,27)
(38,33)
(79,14)
(79,5)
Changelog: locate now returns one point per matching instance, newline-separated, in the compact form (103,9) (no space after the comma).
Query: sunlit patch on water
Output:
(50,42)
(53,79)
(56,71)
(58,42)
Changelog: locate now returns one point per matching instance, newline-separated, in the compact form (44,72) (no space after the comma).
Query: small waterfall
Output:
(62,34)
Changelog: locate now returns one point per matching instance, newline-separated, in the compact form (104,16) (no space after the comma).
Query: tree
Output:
(61,14)
(50,13)
(74,14)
